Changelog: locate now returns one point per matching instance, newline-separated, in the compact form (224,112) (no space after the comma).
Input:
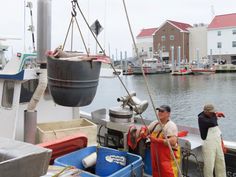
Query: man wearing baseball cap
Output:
(213,155)
(159,145)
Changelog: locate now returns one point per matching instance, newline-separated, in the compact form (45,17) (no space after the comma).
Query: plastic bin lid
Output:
(65,145)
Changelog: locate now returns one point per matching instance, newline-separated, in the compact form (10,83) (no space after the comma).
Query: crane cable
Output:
(103,51)
(73,18)
(146,83)
(149,93)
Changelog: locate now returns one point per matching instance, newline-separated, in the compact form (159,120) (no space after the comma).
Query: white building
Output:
(197,42)
(221,38)
(144,42)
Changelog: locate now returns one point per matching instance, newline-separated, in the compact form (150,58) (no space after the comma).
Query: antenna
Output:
(212,11)
(31,27)
(105,21)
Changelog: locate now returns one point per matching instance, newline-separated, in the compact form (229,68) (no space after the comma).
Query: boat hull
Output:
(177,73)
(203,71)
(149,70)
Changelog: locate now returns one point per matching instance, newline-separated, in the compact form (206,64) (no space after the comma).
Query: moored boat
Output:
(182,72)
(203,71)
(151,66)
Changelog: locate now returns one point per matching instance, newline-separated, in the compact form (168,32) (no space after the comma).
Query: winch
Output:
(120,119)
(130,104)
(121,115)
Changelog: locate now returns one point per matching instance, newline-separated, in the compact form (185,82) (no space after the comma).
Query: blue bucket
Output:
(148,162)
(109,161)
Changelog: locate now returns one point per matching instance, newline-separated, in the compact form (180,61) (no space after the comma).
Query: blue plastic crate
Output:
(133,166)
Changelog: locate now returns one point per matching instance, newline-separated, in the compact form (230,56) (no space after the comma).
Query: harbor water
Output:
(185,94)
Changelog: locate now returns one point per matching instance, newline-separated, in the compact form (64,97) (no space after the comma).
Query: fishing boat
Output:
(151,66)
(38,97)
(203,71)
(203,66)
(184,71)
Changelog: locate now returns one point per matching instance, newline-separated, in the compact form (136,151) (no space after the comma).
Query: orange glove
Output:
(220,114)
(143,132)
(182,133)
(131,137)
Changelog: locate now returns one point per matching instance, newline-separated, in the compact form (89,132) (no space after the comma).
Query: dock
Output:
(227,68)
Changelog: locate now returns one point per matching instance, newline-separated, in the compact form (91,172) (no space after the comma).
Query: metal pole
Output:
(121,61)
(113,58)
(30,126)
(126,62)
(198,58)
(43,29)
(211,58)
(116,55)
(160,54)
(173,58)
(183,48)
(179,56)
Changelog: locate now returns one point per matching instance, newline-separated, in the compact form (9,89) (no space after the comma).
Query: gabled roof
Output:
(183,27)
(223,21)
(180,25)
(147,32)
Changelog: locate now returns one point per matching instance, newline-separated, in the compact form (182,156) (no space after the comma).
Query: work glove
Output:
(220,114)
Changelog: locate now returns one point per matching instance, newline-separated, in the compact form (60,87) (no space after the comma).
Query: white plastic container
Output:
(56,130)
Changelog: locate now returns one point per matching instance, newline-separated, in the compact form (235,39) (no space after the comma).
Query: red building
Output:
(172,34)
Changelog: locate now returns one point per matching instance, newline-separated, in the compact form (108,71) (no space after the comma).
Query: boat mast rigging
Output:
(31,27)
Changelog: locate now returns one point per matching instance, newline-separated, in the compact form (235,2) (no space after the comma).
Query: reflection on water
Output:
(185,94)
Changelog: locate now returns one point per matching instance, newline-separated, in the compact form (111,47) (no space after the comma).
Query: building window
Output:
(234,44)
(218,33)
(163,48)
(234,31)
(8,93)
(219,45)
(163,38)
(172,37)
(150,49)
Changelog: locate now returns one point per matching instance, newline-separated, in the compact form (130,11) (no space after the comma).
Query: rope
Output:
(149,93)
(103,51)
(142,119)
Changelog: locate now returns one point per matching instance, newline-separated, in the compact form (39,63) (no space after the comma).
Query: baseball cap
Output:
(164,108)
(209,108)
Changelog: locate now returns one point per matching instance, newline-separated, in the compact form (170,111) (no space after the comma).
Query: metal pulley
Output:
(121,115)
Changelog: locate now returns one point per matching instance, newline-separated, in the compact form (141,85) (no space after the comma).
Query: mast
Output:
(31,27)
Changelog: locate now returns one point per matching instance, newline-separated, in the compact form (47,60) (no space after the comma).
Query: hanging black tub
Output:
(72,82)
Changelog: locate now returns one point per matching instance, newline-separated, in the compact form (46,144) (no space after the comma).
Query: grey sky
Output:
(142,13)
